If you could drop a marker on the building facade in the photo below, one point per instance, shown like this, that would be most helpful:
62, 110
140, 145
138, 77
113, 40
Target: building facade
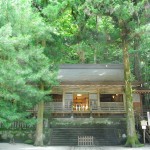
90, 102
91, 90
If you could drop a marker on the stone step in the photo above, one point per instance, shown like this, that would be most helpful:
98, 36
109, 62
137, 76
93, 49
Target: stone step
67, 137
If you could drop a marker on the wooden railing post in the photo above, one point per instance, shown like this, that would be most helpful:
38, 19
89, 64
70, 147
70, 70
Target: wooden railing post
71, 109
91, 110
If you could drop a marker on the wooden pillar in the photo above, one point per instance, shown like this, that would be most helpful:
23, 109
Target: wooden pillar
63, 100
98, 97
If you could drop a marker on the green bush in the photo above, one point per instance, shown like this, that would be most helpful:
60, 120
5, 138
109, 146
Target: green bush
29, 141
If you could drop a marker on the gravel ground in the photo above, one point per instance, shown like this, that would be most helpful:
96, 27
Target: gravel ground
18, 146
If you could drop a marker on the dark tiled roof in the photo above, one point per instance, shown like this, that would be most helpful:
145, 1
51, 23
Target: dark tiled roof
86, 73
91, 66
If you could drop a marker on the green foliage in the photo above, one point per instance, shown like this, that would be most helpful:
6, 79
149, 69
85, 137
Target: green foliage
87, 122
93, 28
23, 62
29, 141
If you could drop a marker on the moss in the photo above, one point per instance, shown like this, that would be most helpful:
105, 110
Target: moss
133, 142
76, 122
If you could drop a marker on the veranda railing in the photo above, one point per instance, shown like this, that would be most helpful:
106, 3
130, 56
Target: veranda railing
69, 107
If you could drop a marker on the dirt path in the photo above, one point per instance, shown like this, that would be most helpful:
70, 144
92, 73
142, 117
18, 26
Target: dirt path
6, 146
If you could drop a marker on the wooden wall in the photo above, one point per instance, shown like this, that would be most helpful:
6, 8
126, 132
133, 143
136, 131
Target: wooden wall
137, 102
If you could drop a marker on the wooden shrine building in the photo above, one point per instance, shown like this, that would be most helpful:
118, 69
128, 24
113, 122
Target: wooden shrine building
89, 105
91, 90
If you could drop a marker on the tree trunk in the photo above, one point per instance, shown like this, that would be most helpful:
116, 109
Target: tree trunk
39, 126
132, 139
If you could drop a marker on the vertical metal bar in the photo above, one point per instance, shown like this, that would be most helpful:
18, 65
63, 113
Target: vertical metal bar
148, 118
144, 136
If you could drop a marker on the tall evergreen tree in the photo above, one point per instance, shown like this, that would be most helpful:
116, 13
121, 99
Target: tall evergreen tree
26, 72
126, 16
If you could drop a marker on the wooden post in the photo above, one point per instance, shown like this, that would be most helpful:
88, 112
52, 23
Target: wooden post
90, 109
71, 109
